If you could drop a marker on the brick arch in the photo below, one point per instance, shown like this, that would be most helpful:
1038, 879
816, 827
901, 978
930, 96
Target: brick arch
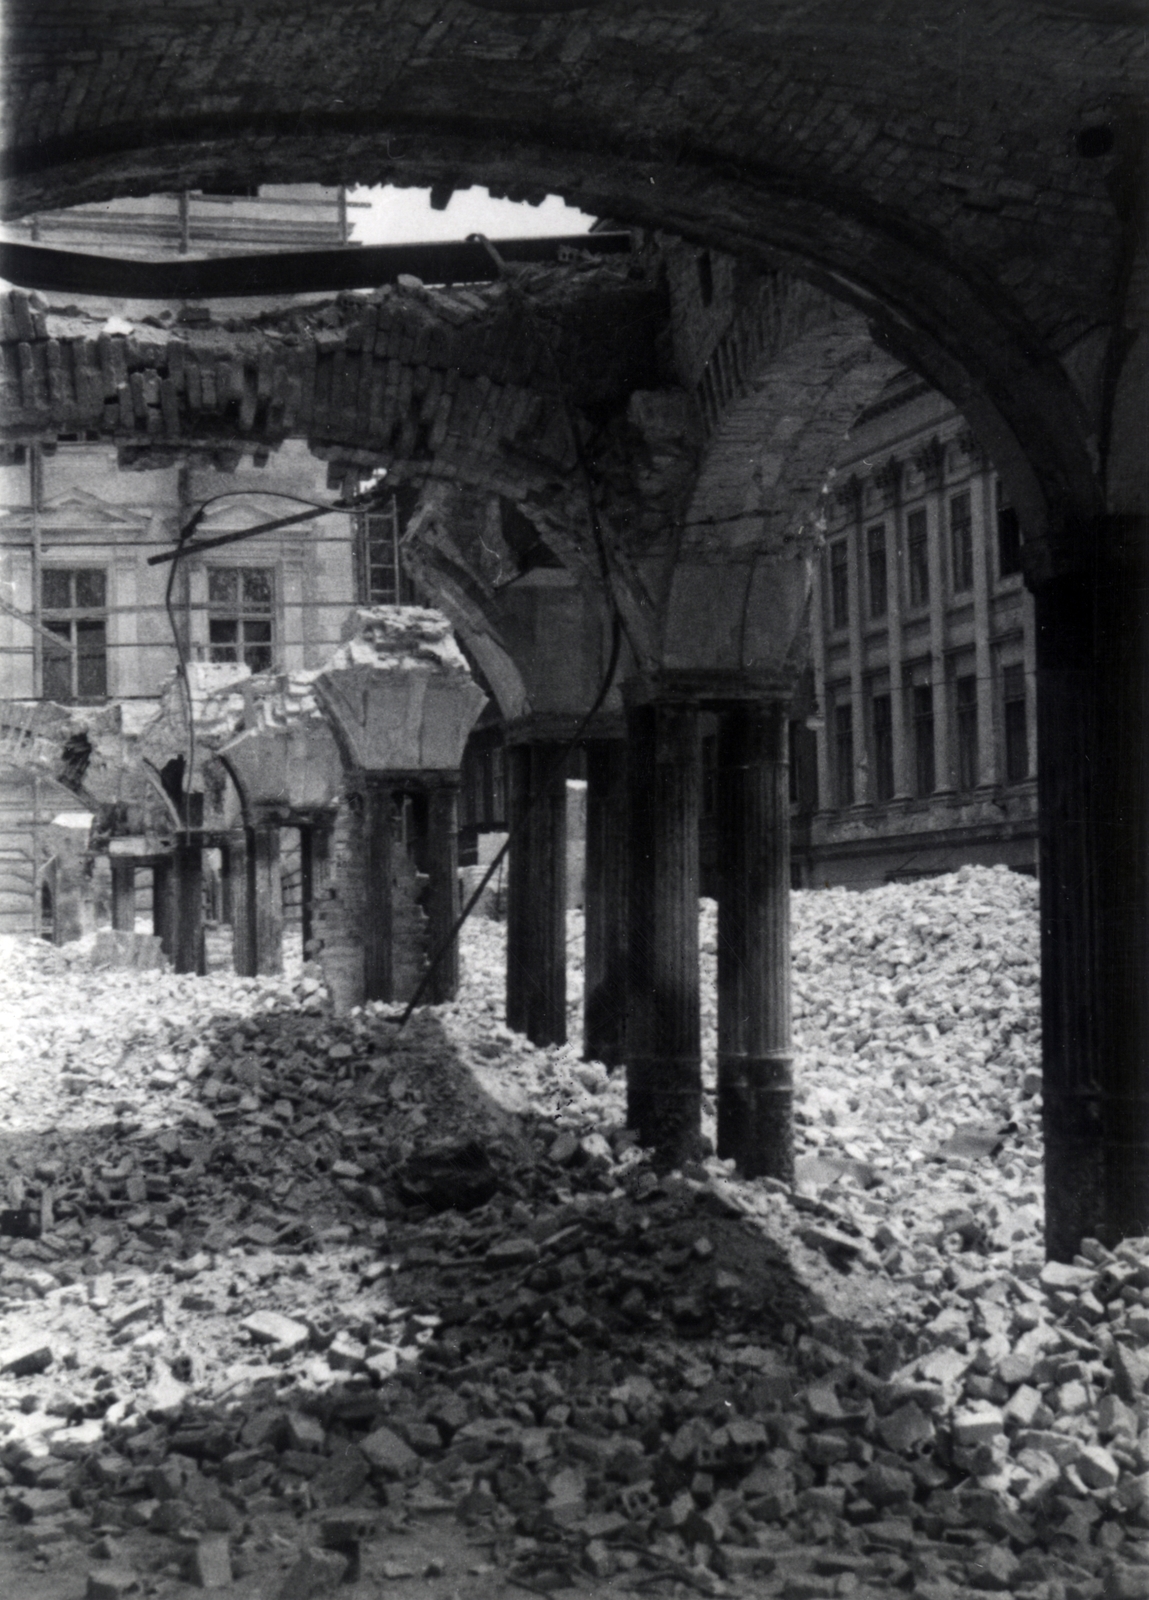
795, 369
960, 217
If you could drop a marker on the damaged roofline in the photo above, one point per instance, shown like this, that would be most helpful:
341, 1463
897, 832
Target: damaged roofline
295, 272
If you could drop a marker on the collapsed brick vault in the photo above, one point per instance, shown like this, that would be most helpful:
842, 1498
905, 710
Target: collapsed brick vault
972, 184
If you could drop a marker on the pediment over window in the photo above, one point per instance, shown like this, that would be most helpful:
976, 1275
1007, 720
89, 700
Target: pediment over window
248, 511
77, 509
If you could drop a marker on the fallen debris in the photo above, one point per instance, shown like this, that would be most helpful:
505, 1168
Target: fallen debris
310, 1276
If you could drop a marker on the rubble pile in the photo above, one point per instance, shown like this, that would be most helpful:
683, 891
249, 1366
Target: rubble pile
280, 1290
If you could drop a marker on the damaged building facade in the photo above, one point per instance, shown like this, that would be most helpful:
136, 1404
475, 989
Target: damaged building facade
667, 419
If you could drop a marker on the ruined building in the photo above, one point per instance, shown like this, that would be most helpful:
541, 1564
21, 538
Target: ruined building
813, 198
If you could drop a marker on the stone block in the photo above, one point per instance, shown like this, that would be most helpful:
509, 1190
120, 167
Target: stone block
111, 1583
209, 1563
25, 1359
272, 1328
387, 1454
977, 1425
316, 1573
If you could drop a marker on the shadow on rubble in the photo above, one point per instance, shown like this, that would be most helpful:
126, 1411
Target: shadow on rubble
343, 1275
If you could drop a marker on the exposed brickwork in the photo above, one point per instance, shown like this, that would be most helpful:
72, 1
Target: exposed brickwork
920, 161
508, 390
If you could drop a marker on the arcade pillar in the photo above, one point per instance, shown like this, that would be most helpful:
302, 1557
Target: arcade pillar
186, 897
663, 1044
443, 889
237, 872
604, 1018
162, 902
755, 1070
536, 892
378, 841
123, 894
266, 897
1092, 627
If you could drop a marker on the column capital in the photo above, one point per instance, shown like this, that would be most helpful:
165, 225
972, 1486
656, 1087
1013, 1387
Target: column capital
556, 727
1113, 544
424, 778
707, 688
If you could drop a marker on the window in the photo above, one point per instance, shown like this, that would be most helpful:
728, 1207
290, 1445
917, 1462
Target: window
382, 580
876, 568
839, 585
882, 728
73, 607
844, 753
1016, 738
961, 542
923, 707
917, 559
965, 712
1008, 536
240, 615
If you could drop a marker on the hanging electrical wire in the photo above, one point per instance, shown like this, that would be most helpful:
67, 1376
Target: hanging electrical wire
184, 548
618, 630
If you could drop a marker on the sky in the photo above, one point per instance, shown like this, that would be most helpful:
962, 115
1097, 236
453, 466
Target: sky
399, 216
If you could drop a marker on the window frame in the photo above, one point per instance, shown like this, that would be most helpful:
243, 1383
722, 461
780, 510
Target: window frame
73, 617
882, 740
917, 559
838, 563
1005, 517
961, 542
877, 557
923, 713
844, 777
1014, 723
243, 616
967, 734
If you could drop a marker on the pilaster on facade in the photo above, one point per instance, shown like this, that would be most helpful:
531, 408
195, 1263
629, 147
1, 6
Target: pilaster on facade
895, 654
935, 551
818, 604
855, 557
985, 566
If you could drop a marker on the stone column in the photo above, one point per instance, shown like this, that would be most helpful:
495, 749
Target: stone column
378, 839
187, 907
755, 1062
663, 1043
604, 1003
240, 900
162, 902
266, 898
536, 892
306, 888
443, 889
1092, 630
123, 894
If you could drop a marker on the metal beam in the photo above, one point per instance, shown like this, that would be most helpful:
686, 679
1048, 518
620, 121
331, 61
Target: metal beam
295, 272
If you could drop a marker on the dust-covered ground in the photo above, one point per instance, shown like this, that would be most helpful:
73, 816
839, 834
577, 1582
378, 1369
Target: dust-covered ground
295, 1305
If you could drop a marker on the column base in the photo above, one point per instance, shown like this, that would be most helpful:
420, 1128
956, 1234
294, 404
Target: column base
1096, 1170
755, 1115
664, 1107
